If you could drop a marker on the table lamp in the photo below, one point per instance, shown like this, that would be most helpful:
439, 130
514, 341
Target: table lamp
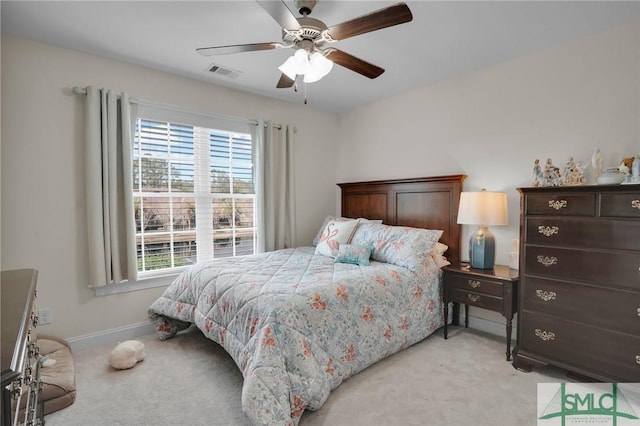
482, 208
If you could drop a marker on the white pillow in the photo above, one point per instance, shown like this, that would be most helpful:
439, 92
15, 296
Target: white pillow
441, 248
337, 231
328, 218
399, 245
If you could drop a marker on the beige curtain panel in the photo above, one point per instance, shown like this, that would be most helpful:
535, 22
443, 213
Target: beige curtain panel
275, 186
110, 219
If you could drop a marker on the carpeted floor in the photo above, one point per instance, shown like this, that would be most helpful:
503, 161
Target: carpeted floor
190, 380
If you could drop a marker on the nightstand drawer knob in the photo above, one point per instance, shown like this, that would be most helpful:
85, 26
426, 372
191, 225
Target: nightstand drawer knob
545, 335
474, 283
638, 312
558, 204
473, 297
637, 359
547, 260
635, 204
548, 231
548, 295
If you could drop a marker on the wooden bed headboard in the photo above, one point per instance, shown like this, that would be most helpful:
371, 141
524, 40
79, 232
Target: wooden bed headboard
429, 202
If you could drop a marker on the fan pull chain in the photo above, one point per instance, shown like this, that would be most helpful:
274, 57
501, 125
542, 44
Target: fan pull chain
305, 93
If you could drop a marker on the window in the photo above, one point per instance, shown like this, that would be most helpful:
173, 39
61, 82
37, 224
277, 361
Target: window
193, 192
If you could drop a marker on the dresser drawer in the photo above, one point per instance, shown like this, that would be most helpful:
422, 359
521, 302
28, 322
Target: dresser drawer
620, 234
561, 204
476, 285
607, 353
603, 268
475, 299
584, 304
625, 204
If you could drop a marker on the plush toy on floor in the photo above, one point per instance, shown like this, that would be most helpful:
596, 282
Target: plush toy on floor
127, 354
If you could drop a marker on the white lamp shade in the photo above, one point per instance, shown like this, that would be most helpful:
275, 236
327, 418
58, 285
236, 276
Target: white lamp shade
288, 68
312, 76
320, 63
301, 61
483, 208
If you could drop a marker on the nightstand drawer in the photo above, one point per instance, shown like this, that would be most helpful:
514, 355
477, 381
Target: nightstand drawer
578, 303
475, 299
615, 355
562, 204
475, 284
603, 268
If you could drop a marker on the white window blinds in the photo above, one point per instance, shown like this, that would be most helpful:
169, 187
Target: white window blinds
194, 196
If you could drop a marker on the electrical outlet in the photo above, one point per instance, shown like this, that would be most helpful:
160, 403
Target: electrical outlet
45, 316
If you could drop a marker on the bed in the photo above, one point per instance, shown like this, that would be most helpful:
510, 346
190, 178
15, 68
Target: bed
298, 323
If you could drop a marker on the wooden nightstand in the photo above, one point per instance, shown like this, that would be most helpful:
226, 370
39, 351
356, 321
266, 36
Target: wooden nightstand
494, 289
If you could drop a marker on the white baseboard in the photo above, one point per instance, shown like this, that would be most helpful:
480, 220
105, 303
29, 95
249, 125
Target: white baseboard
492, 327
113, 335
132, 331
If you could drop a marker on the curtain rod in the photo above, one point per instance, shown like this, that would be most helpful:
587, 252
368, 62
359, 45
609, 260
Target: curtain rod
80, 91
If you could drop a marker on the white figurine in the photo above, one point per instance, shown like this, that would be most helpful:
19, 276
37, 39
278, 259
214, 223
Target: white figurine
573, 173
551, 175
536, 174
596, 163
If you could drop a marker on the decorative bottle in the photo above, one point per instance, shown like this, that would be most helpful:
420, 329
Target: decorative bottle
635, 170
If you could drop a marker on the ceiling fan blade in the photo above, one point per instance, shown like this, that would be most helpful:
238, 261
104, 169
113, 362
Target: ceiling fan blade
398, 13
281, 13
284, 82
354, 64
238, 48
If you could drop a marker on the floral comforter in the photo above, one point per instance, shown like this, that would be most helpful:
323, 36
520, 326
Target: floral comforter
298, 324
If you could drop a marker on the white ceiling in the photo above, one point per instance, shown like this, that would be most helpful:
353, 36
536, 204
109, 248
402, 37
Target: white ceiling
445, 39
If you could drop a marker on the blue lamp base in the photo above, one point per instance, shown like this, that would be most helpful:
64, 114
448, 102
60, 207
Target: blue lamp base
482, 249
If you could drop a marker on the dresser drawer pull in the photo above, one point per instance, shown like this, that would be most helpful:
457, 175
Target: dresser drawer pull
474, 283
558, 204
547, 260
473, 297
547, 295
635, 204
637, 359
638, 312
545, 335
548, 231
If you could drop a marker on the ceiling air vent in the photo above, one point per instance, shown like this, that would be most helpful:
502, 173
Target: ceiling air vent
223, 71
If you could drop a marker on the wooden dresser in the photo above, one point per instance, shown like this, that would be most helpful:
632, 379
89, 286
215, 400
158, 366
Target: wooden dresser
20, 366
580, 281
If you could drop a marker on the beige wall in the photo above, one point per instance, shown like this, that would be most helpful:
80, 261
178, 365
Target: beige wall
490, 124
43, 217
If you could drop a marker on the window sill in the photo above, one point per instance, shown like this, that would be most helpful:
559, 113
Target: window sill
143, 284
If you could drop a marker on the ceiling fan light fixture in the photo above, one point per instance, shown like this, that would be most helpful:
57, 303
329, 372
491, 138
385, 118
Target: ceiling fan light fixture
301, 61
289, 68
320, 63
312, 76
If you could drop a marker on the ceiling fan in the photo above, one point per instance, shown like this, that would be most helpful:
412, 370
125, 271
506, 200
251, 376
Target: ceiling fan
310, 36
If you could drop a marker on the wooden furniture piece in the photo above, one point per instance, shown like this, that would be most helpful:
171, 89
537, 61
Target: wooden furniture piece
493, 289
429, 202
580, 281
20, 367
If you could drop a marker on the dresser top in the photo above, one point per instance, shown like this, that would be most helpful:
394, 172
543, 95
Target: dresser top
502, 272
17, 293
582, 188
